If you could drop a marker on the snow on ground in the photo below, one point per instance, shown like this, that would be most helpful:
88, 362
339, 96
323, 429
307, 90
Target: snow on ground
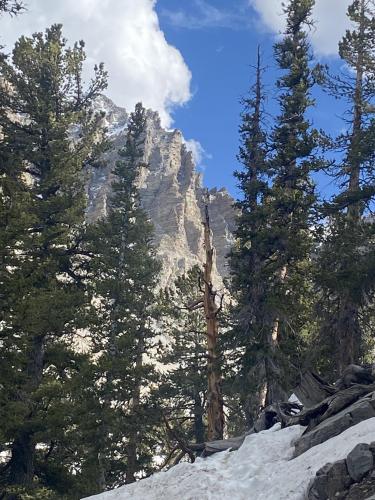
262, 469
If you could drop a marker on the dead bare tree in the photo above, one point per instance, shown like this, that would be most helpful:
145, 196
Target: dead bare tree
211, 301
215, 411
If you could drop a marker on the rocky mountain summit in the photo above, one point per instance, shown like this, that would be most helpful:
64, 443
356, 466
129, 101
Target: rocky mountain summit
172, 193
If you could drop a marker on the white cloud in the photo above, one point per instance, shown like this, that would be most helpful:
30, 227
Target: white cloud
329, 15
126, 36
198, 151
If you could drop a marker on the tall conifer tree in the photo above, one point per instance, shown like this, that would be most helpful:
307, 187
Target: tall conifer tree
184, 385
122, 330
270, 259
294, 144
250, 251
44, 199
347, 283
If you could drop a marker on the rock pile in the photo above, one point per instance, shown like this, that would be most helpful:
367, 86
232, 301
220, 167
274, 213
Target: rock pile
350, 479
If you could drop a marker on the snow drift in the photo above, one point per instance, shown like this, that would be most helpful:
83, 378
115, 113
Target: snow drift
262, 469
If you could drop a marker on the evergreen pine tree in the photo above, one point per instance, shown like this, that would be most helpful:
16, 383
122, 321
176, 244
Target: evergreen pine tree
271, 257
347, 283
294, 143
121, 418
42, 194
249, 252
183, 387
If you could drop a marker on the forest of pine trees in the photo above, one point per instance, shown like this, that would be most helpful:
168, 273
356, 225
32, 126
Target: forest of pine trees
105, 377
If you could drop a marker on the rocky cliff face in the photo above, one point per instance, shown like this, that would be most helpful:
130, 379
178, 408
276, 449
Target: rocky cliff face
172, 193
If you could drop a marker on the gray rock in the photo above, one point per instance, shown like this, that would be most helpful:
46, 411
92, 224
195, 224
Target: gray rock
372, 449
361, 491
318, 489
335, 425
338, 478
360, 461
331, 481
362, 410
326, 430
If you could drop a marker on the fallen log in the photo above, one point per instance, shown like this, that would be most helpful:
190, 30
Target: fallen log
210, 447
267, 419
331, 405
270, 415
355, 374
312, 389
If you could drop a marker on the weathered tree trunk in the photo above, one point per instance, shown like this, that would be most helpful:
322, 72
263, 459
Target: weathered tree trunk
198, 419
312, 389
132, 448
272, 390
313, 416
215, 411
21, 465
101, 479
254, 400
349, 334
22, 461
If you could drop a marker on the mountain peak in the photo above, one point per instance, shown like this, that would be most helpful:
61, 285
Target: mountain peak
171, 192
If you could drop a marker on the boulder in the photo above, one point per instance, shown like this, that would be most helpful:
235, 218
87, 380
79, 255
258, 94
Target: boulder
331, 481
324, 431
335, 425
360, 461
362, 410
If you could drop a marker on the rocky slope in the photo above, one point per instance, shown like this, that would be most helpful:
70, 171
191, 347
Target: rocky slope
172, 193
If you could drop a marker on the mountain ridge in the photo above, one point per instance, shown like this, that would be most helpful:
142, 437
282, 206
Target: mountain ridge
172, 193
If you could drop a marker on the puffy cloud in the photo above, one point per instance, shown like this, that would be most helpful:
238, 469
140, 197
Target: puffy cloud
329, 15
126, 36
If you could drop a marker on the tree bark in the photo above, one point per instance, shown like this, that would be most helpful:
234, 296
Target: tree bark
198, 419
215, 411
22, 461
272, 390
132, 448
21, 465
348, 333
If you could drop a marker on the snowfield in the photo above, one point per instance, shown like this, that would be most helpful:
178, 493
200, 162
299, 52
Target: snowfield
262, 469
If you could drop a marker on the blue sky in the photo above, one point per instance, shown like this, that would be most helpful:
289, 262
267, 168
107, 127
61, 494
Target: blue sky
190, 60
220, 55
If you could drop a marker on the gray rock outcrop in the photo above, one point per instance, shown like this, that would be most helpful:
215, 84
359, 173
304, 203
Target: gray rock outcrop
171, 192
350, 479
335, 425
